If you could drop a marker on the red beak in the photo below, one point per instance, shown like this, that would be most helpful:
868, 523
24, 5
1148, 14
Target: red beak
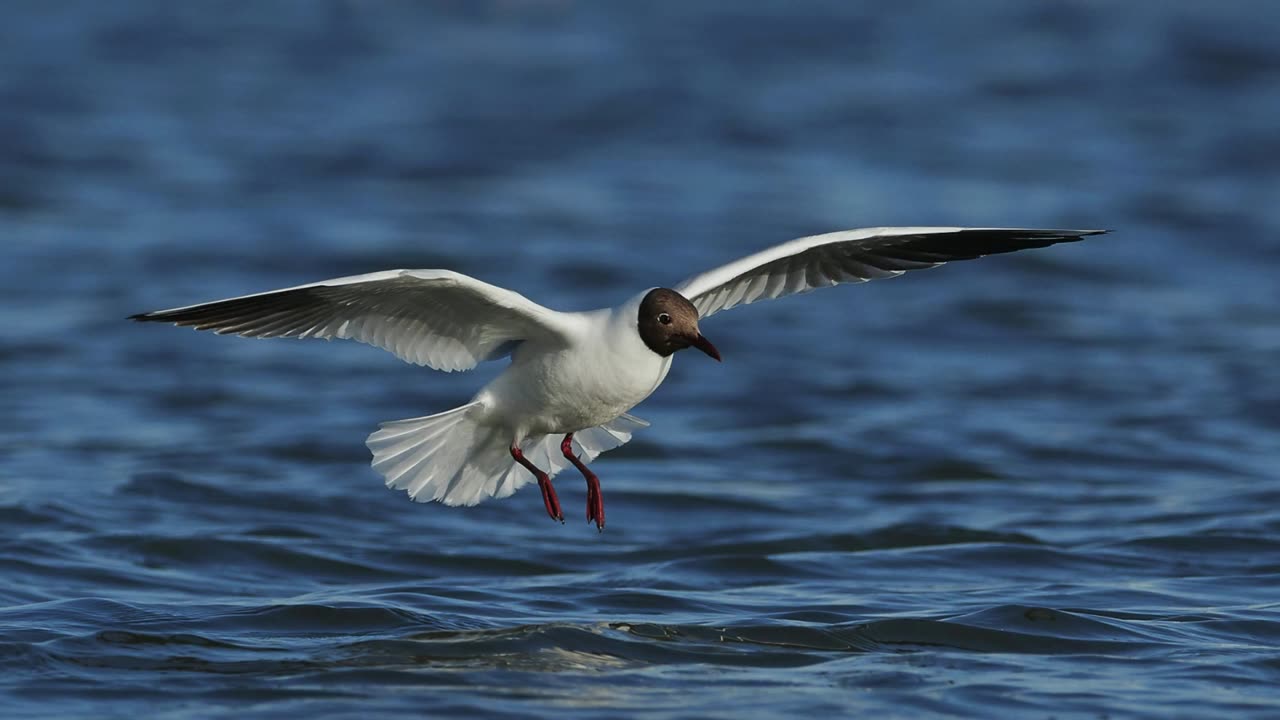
705, 346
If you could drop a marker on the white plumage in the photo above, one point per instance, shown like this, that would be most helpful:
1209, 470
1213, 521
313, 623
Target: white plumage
570, 373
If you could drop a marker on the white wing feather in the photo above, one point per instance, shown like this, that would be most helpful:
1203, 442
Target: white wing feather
809, 263
438, 318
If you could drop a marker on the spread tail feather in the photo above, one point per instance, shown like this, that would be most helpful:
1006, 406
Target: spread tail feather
452, 458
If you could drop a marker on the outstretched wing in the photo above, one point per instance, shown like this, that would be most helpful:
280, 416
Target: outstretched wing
850, 256
438, 318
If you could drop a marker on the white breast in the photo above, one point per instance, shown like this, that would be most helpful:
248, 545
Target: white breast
604, 373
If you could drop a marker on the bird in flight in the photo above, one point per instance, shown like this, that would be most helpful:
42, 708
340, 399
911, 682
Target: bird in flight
573, 375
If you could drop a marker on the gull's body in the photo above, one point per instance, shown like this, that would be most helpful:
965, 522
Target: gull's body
602, 370
573, 375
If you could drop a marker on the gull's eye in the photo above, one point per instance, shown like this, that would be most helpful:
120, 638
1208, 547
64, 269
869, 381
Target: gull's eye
664, 318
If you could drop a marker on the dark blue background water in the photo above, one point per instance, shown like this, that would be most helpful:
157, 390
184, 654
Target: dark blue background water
1039, 485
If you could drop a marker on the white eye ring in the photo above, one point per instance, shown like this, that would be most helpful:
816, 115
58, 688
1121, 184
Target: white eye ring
664, 318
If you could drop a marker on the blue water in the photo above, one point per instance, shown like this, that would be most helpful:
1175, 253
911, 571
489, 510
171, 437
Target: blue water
1041, 485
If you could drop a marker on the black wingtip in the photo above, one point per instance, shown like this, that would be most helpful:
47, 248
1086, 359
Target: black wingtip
142, 317
1074, 233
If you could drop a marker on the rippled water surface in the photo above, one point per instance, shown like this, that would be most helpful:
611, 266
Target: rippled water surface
1042, 485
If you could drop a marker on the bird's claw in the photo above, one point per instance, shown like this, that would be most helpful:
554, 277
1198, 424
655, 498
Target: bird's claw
549, 499
595, 502
595, 505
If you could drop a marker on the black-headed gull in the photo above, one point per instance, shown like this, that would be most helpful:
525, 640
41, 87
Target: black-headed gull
573, 375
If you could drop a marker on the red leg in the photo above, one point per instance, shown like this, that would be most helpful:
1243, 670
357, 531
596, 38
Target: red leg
544, 484
595, 501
